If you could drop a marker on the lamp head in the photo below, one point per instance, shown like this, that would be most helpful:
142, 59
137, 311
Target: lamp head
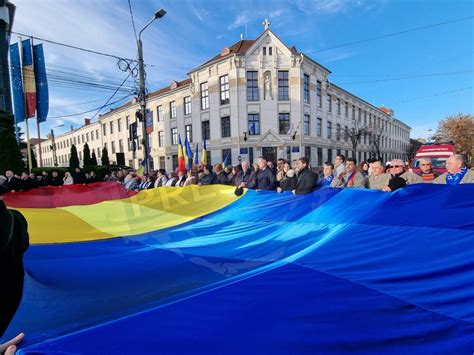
160, 14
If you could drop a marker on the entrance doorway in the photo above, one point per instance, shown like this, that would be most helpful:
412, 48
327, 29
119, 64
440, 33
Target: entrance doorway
270, 153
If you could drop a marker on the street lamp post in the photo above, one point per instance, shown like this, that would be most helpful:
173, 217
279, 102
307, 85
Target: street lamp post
141, 70
53, 145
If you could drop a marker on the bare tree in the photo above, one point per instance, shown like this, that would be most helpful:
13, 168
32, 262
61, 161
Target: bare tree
354, 135
377, 136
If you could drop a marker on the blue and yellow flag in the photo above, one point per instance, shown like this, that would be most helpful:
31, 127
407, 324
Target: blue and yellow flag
204, 154
189, 154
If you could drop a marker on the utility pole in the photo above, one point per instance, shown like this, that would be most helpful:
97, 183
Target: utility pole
142, 94
53, 148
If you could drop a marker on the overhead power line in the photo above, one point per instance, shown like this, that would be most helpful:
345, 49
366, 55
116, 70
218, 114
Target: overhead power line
73, 47
409, 77
133, 21
391, 34
434, 95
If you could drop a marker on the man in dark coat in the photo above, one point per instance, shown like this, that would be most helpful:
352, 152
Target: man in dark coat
208, 177
306, 182
56, 180
264, 179
243, 176
26, 182
79, 177
14, 241
45, 179
12, 183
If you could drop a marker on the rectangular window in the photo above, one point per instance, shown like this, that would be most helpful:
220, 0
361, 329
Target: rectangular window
306, 88
346, 109
206, 130
318, 93
87, 139
187, 105
307, 153
283, 87
346, 134
264, 50
319, 127
159, 113
338, 105
150, 143
127, 122
360, 114
162, 162
252, 86
104, 130
353, 112
82, 136
329, 102
225, 126
226, 152
284, 123
119, 125
306, 125
253, 124
320, 156
225, 91
174, 159
111, 127
174, 136
338, 132
173, 109
270, 51
92, 137
204, 96
330, 155
161, 138
189, 132
113, 147
121, 146
329, 130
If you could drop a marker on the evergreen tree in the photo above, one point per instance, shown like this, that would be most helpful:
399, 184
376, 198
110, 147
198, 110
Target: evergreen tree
34, 163
10, 155
74, 159
93, 159
105, 157
87, 156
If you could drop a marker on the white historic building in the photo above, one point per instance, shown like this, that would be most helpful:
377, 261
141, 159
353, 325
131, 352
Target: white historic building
256, 97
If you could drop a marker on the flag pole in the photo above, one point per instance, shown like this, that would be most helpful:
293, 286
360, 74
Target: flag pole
38, 125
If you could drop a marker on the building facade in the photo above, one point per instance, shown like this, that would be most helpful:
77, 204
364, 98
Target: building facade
255, 98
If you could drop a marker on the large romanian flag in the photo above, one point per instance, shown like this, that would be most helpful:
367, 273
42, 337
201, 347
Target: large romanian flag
200, 270
29, 83
181, 159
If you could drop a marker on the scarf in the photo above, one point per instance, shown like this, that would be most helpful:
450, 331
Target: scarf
454, 179
327, 180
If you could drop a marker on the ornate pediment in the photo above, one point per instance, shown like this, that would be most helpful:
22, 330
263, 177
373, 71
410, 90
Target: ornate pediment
271, 137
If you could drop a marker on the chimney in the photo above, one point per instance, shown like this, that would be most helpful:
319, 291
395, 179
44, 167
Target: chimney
72, 128
87, 121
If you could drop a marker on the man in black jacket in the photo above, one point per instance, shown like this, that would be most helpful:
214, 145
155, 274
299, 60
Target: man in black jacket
79, 177
14, 241
56, 179
264, 179
306, 178
12, 183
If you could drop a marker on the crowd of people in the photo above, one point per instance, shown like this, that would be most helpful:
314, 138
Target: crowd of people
264, 175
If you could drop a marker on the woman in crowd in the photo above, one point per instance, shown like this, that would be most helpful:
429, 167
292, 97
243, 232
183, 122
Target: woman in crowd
364, 169
288, 179
68, 180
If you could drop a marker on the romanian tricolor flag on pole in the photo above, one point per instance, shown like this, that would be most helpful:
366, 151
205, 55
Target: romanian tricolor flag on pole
204, 154
181, 165
29, 83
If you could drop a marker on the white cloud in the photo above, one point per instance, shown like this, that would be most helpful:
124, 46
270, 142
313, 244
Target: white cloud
240, 20
276, 13
326, 6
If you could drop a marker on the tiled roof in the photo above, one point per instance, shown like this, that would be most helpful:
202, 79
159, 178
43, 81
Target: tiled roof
240, 47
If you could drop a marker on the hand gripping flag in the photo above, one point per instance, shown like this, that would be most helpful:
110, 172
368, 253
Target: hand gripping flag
42, 94
29, 79
181, 163
17, 84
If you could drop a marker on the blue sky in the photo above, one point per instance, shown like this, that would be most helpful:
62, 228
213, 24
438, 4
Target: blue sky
378, 71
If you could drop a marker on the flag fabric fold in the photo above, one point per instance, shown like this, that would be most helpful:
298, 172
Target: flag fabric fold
189, 154
181, 162
29, 79
204, 154
17, 84
196, 156
42, 93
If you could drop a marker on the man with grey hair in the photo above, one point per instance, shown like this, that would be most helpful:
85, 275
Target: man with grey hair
242, 178
408, 176
378, 179
458, 173
426, 170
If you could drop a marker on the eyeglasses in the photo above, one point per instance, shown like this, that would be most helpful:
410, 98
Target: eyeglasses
397, 166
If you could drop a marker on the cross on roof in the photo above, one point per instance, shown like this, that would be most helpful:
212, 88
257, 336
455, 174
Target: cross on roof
266, 24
